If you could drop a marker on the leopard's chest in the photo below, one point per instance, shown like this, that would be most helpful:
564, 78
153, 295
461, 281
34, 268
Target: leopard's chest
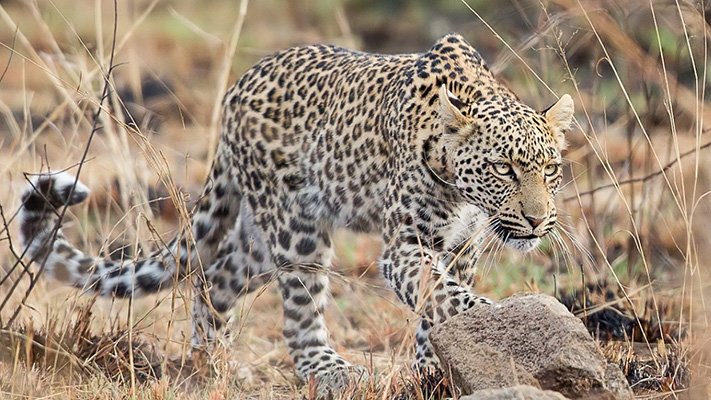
467, 227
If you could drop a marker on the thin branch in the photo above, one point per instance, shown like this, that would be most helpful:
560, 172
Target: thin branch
12, 248
94, 128
9, 60
641, 178
224, 77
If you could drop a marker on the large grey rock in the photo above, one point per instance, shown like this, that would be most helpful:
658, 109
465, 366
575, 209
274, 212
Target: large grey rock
520, 392
539, 335
480, 366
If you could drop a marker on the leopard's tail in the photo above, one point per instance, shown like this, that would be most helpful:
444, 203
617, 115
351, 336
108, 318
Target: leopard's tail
46, 245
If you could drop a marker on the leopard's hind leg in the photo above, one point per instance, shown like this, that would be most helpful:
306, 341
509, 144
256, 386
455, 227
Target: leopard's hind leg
242, 264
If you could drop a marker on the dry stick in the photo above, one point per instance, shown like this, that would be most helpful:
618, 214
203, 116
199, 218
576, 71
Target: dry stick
7, 222
9, 59
55, 230
641, 178
19, 261
224, 76
12, 250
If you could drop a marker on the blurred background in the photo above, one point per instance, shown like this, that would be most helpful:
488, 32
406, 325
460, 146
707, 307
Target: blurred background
634, 238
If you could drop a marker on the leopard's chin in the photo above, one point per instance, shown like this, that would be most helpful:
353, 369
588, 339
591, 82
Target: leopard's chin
523, 245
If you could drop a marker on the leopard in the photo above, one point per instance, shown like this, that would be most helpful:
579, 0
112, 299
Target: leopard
429, 150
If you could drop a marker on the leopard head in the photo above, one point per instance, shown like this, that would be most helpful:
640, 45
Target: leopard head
507, 161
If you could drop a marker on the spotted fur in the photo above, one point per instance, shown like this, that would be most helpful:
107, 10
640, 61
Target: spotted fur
429, 150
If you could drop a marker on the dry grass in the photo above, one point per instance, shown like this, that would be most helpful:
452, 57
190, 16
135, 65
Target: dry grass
635, 206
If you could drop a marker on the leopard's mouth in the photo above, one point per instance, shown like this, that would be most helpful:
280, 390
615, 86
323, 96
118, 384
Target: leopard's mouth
531, 236
520, 242
508, 235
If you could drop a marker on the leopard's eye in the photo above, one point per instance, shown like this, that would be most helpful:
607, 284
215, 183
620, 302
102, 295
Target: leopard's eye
551, 170
503, 169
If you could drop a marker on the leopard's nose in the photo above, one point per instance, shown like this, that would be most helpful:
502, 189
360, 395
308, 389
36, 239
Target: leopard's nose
534, 220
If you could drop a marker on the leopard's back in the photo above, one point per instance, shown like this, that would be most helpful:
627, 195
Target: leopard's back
312, 122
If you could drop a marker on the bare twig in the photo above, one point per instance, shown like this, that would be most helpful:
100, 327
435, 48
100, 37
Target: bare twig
12, 248
9, 60
224, 76
94, 128
641, 178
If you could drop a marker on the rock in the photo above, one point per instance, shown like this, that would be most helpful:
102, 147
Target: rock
476, 366
540, 336
520, 392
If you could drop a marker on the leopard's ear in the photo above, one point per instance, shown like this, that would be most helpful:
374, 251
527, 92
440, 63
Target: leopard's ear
560, 117
451, 111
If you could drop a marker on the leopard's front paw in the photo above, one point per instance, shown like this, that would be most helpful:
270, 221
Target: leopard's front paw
472, 300
329, 383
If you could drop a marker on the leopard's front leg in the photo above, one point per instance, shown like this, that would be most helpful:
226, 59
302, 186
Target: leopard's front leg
420, 279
